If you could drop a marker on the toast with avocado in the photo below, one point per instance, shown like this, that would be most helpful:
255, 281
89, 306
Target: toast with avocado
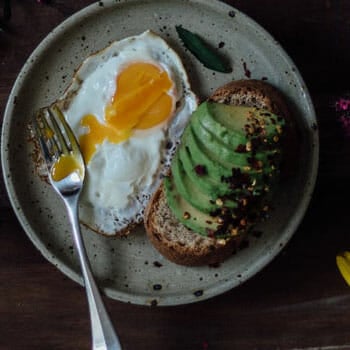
222, 174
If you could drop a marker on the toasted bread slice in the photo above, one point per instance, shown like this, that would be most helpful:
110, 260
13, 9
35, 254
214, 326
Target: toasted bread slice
174, 240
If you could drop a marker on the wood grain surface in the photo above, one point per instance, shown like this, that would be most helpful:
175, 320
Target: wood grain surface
299, 301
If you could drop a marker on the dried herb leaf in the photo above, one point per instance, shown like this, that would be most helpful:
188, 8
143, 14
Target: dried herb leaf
205, 54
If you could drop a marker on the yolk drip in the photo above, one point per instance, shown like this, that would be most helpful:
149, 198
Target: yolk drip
64, 166
141, 101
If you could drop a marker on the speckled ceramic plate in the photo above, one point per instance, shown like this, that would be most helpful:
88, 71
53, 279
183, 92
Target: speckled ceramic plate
130, 269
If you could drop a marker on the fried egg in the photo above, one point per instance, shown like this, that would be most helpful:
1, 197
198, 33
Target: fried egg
127, 105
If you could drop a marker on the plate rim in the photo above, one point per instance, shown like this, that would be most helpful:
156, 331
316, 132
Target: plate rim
168, 300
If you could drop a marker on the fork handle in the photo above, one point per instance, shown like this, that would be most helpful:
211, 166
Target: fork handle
104, 336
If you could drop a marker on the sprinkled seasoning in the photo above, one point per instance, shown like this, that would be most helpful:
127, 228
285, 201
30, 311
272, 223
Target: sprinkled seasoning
219, 202
243, 222
221, 241
241, 149
200, 170
248, 146
241, 205
210, 233
220, 220
186, 215
234, 232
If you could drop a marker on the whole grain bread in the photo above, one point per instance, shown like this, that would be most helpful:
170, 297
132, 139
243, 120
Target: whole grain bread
169, 236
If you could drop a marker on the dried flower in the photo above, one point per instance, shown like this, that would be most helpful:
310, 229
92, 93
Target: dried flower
342, 108
343, 104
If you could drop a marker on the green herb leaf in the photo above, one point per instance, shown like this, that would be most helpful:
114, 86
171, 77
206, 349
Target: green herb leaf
205, 54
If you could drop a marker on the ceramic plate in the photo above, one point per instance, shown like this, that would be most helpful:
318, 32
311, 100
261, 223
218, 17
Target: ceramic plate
130, 269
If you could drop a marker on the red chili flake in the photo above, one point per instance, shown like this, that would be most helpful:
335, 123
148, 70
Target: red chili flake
210, 233
241, 149
200, 170
205, 345
247, 72
255, 163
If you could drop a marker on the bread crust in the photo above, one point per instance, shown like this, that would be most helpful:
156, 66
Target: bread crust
161, 226
196, 250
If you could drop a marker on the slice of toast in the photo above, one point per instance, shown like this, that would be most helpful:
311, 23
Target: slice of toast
174, 240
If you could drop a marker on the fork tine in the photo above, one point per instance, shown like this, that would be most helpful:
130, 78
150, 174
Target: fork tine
49, 134
55, 110
41, 137
52, 111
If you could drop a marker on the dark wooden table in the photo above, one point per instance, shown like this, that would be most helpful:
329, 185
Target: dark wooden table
298, 302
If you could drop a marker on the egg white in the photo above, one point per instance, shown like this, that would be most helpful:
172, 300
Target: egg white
120, 178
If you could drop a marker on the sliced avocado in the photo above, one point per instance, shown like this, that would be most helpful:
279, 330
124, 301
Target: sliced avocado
209, 185
214, 169
209, 138
224, 156
236, 118
186, 213
207, 119
213, 186
238, 160
209, 154
208, 126
194, 194
225, 162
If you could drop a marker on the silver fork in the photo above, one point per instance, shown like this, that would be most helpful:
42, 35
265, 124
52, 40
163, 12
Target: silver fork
57, 140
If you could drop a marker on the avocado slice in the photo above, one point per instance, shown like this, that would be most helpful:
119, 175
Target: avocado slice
212, 142
207, 156
207, 184
204, 117
214, 137
223, 167
238, 118
194, 194
237, 160
217, 152
213, 168
191, 217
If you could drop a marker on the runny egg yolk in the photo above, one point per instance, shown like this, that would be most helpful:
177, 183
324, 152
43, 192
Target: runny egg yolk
65, 166
141, 101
